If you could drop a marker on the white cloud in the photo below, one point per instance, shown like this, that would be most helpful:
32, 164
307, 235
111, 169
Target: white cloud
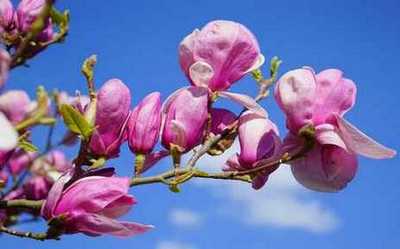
282, 202
174, 245
185, 218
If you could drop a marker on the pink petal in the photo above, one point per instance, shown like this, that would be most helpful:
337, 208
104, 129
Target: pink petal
325, 168
92, 194
246, 101
94, 224
295, 95
335, 95
201, 73
54, 195
360, 143
8, 135
327, 134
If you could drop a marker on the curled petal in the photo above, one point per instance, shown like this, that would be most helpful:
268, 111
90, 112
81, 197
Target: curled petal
360, 143
246, 101
54, 195
258, 63
327, 134
201, 73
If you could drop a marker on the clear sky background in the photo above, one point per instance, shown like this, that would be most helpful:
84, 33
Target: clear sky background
137, 41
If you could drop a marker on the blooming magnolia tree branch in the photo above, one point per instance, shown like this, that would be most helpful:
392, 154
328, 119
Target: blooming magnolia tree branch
83, 195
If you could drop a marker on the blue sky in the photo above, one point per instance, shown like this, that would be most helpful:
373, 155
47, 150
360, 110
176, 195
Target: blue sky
136, 41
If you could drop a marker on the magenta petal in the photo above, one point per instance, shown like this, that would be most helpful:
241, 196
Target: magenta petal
360, 143
325, 168
92, 194
94, 224
246, 101
259, 181
232, 164
201, 73
327, 134
55, 194
119, 207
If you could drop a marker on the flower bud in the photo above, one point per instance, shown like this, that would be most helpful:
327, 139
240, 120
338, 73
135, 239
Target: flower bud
144, 124
112, 110
185, 118
15, 104
91, 205
219, 54
259, 143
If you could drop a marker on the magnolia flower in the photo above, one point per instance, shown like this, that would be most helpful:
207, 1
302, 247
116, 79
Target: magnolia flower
259, 144
16, 105
220, 54
185, 116
144, 124
321, 100
112, 111
91, 205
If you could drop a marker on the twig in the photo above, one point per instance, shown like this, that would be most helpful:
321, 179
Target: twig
30, 235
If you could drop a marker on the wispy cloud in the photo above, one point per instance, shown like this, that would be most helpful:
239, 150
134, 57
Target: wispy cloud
174, 245
185, 218
281, 203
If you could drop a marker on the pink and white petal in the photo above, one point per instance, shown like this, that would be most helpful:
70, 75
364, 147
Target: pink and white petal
8, 134
94, 224
201, 73
54, 195
327, 134
180, 134
246, 101
295, 95
335, 95
119, 207
360, 143
154, 158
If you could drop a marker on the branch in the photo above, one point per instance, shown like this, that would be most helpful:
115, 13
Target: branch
30, 235
21, 203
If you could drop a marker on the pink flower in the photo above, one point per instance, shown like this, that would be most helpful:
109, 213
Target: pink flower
221, 119
57, 159
5, 61
185, 118
144, 124
37, 188
321, 100
27, 12
91, 205
219, 54
259, 144
20, 160
15, 104
112, 111
8, 134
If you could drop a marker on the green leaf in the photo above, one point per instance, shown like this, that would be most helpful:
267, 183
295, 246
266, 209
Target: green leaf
88, 67
75, 121
275, 63
97, 163
27, 146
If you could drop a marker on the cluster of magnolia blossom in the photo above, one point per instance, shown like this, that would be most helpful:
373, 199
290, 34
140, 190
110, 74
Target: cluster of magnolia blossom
79, 196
